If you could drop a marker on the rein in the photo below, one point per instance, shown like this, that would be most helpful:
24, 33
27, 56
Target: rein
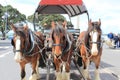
99, 43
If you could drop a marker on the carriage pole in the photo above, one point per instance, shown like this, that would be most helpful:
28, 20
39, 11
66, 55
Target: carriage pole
49, 60
77, 66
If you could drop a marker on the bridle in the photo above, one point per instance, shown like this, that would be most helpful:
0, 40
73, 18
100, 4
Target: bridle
62, 45
65, 45
99, 43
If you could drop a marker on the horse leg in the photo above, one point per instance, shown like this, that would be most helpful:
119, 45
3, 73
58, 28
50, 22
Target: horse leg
35, 72
65, 71
97, 76
66, 76
22, 71
85, 70
58, 73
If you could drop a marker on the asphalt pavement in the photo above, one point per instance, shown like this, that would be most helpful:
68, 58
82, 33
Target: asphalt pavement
110, 60
10, 70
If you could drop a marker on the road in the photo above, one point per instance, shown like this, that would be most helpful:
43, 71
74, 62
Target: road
10, 70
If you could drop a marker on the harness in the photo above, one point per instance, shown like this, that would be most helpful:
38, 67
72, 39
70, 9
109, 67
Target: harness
33, 43
88, 50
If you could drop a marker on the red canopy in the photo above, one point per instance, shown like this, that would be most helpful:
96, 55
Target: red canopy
60, 2
70, 7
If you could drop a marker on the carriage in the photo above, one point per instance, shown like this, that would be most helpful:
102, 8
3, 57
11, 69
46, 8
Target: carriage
59, 45
71, 8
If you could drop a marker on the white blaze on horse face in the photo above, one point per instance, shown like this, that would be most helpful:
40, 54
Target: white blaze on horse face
18, 54
94, 50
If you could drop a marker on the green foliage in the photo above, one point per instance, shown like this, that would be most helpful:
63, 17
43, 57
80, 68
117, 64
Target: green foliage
13, 14
46, 19
1, 14
30, 18
9, 14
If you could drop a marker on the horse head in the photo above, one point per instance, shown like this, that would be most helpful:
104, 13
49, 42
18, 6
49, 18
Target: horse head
21, 41
61, 41
93, 37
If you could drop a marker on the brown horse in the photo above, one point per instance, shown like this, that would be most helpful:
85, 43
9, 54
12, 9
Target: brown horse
61, 50
27, 48
90, 48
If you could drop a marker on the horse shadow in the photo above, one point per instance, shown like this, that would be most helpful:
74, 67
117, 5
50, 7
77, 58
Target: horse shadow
75, 75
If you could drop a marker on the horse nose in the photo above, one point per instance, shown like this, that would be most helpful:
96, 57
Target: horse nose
94, 50
58, 53
18, 57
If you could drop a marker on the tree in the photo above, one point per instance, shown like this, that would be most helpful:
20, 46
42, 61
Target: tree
46, 19
14, 14
9, 14
1, 14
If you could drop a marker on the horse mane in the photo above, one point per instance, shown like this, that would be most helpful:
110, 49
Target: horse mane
57, 30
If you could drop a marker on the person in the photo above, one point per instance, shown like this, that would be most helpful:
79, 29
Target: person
116, 38
110, 35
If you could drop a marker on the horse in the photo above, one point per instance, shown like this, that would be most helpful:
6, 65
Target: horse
62, 49
89, 46
27, 46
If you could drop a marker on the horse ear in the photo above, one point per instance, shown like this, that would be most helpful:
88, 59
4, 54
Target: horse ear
89, 23
13, 27
99, 22
52, 24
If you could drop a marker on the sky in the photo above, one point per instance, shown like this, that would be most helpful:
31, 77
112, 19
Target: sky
106, 10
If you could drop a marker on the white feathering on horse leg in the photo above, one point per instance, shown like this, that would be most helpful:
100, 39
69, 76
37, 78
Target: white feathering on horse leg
63, 68
66, 76
97, 76
33, 77
58, 76
37, 70
85, 72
